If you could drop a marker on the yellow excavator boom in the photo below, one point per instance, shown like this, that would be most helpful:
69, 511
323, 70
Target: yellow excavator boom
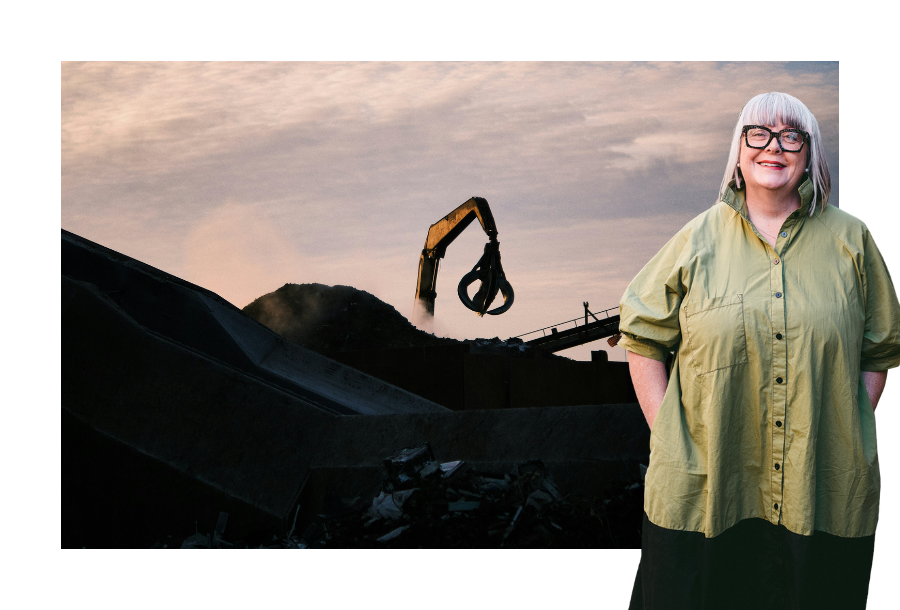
488, 269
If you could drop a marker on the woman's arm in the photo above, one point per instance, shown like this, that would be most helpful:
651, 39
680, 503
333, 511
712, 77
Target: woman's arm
650, 381
874, 385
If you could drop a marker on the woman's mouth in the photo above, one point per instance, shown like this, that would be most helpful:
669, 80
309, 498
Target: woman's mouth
768, 164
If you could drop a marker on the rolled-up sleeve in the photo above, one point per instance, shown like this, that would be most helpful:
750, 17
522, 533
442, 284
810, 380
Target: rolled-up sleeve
881, 339
649, 308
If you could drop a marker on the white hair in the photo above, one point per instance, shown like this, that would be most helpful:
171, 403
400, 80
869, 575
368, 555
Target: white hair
773, 108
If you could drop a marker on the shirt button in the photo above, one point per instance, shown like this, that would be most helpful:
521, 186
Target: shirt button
779, 336
784, 233
776, 507
778, 423
777, 466
777, 261
777, 295
779, 380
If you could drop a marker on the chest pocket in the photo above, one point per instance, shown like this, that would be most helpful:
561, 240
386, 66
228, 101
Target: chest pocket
715, 333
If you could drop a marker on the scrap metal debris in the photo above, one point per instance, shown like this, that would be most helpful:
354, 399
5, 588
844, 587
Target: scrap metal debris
428, 504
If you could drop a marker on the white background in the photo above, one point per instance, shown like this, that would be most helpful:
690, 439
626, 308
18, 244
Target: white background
39, 37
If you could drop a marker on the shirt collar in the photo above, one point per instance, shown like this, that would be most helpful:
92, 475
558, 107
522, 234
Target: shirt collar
736, 197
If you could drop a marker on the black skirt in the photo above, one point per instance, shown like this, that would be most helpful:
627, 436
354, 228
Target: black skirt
753, 565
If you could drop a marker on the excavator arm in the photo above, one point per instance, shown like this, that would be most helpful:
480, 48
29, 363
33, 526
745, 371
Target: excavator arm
488, 269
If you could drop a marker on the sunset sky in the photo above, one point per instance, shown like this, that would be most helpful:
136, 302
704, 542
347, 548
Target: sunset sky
241, 177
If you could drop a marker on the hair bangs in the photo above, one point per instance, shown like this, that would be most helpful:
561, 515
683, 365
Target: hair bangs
769, 109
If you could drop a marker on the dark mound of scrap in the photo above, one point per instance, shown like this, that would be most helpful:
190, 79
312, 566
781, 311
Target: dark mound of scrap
336, 319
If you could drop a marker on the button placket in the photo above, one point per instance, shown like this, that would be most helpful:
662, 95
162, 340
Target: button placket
778, 376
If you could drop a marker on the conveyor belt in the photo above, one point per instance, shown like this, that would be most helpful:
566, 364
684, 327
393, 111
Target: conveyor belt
559, 340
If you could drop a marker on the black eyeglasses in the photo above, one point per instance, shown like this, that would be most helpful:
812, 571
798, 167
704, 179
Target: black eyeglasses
790, 140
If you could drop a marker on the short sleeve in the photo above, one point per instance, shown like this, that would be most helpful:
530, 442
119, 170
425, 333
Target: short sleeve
648, 311
881, 338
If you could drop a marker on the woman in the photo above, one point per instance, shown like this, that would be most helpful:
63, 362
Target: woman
762, 488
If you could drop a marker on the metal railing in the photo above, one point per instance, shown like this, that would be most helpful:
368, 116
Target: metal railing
554, 327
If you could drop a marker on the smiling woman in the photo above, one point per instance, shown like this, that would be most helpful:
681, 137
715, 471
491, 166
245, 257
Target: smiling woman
763, 484
761, 160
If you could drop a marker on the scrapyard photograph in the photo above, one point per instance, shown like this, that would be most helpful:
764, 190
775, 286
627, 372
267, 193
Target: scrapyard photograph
259, 351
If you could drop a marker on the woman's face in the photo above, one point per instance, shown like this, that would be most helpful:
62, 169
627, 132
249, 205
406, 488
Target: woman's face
772, 168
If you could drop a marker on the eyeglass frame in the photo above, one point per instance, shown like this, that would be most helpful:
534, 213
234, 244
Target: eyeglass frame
773, 134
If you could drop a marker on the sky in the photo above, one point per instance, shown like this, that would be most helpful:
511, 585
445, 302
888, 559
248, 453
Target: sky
244, 176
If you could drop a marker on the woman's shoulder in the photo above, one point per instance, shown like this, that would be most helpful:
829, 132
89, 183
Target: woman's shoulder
846, 227
703, 228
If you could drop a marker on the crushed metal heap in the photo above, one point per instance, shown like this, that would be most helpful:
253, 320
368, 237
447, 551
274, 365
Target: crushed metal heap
426, 504
178, 408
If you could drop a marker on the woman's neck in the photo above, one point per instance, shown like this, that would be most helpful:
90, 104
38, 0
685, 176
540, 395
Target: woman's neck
768, 210
768, 205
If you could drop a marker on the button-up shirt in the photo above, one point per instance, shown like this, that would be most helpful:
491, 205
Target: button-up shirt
766, 414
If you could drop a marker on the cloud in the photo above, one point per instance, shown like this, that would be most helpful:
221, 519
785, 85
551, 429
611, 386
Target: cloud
158, 116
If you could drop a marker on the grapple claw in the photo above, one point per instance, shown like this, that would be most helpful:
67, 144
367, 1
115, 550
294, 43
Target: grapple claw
489, 270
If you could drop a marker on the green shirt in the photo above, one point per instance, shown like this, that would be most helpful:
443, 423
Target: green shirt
765, 414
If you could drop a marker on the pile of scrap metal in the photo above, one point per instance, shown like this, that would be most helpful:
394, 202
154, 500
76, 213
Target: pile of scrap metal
328, 319
427, 504
177, 408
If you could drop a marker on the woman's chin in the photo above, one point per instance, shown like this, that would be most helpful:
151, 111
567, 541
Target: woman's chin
773, 185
